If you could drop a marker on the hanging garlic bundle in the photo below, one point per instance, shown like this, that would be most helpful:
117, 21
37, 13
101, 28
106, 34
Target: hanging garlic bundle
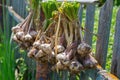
24, 33
59, 40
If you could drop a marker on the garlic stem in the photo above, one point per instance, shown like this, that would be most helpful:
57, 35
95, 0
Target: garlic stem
71, 33
31, 23
56, 36
80, 33
65, 31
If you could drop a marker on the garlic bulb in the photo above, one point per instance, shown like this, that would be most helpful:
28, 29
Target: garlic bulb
16, 29
28, 37
39, 54
33, 33
60, 48
36, 44
52, 58
32, 52
75, 66
46, 48
15, 39
61, 56
59, 66
20, 35
83, 49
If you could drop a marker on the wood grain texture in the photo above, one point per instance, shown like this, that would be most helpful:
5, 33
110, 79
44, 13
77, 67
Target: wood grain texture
103, 32
81, 1
16, 17
80, 13
89, 24
115, 69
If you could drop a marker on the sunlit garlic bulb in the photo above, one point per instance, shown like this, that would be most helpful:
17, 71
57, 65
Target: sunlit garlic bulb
46, 48
28, 37
39, 54
15, 39
62, 57
20, 35
59, 48
16, 29
36, 44
83, 49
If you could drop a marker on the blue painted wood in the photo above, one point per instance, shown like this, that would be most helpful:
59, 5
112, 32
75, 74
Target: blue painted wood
65, 75
72, 77
103, 32
80, 12
16, 16
89, 24
115, 69
84, 75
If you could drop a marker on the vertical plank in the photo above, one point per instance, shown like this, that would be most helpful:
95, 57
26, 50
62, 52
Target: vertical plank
1, 17
80, 12
89, 23
84, 75
15, 5
115, 68
72, 77
64, 75
26, 12
103, 32
20, 7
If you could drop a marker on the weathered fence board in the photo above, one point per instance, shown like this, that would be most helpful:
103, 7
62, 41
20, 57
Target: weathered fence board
115, 69
20, 7
80, 13
16, 17
103, 32
89, 24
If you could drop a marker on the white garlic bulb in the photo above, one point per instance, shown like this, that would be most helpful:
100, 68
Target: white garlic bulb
60, 48
28, 37
46, 48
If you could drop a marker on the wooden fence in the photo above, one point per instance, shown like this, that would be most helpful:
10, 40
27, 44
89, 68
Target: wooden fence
104, 26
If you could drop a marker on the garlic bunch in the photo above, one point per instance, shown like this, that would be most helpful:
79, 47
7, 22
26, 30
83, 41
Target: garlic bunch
60, 45
23, 34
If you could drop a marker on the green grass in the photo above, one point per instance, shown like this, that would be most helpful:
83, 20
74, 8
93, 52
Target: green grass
7, 66
6, 62
111, 39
